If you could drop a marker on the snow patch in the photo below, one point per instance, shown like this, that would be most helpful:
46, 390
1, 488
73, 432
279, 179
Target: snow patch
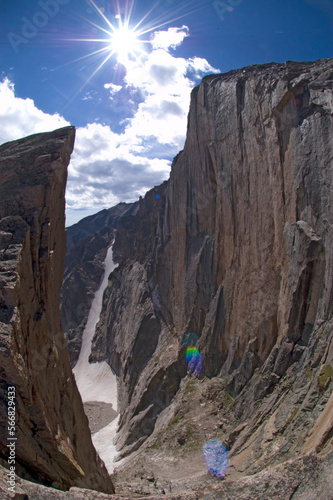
95, 381
103, 442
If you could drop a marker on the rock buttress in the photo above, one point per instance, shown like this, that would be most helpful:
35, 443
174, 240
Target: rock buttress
238, 250
53, 444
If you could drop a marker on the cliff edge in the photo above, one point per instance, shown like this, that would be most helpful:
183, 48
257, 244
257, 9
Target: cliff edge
53, 443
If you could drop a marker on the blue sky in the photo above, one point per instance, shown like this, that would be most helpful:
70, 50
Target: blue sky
131, 111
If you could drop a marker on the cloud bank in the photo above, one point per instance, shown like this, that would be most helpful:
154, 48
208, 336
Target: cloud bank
20, 117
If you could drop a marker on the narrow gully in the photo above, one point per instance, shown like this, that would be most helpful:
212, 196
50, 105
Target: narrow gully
95, 381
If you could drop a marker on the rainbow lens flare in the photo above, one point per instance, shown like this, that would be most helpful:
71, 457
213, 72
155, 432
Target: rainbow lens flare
216, 457
194, 361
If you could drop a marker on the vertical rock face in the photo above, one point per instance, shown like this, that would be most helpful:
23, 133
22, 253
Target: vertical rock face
237, 249
87, 244
53, 439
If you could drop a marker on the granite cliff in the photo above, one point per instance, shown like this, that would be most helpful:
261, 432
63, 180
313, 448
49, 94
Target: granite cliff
237, 249
53, 444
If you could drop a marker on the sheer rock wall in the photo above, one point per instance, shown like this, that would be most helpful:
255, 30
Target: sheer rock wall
237, 249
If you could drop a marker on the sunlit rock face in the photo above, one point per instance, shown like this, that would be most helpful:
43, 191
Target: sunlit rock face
53, 444
237, 248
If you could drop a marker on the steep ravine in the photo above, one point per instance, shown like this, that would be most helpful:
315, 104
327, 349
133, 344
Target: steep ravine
96, 382
237, 249
87, 244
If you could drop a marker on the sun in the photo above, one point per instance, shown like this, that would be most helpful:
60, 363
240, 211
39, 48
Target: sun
121, 39
124, 43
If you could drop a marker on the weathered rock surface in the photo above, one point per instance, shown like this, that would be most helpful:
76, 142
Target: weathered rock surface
306, 478
239, 250
87, 244
53, 444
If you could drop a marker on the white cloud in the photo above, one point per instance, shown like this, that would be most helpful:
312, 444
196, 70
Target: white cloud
108, 167
20, 117
167, 82
170, 38
113, 88
103, 171
200, 66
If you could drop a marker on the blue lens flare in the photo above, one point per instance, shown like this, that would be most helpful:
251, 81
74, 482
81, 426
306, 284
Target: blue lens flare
216, 457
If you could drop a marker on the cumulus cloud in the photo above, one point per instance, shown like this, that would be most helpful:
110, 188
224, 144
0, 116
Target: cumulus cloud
107, 166
199, 66
113, 88
167, 82
103, 164
20, 117
170, 38
164, 75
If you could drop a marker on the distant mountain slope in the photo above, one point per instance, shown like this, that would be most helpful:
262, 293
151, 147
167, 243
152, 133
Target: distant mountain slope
87, 244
